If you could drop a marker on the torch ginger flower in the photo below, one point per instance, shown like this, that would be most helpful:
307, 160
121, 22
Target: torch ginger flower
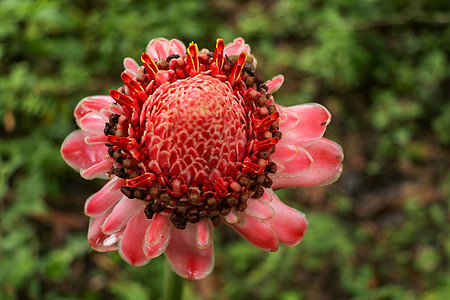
192, 139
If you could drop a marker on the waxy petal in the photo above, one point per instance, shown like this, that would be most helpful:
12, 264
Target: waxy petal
204, 234
303, 124
160, 48
93, 123
274, 84
100, 241
258, 209
158, 235
327, 167
291, 160
121, 213
236, 47
132, 242
130, 64
257, 232
80, 155
99, 170
186, 258
104, 199
288, 223
91, 105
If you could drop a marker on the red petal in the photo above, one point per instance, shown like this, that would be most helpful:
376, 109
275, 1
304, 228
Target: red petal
122, 212
303, 124
288, 223
80, 155
158, 236
291, 161
103, 199
257, 232
186, 258
132, 242
100, 241
274, 84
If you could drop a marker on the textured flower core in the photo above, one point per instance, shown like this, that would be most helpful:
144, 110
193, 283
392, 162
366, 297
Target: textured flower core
194, 135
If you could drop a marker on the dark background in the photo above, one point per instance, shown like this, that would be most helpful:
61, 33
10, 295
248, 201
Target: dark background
380, 67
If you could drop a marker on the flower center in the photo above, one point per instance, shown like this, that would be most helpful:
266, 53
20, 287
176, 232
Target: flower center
194, 135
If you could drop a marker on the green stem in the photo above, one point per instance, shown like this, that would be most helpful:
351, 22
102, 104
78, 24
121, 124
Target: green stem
173, 284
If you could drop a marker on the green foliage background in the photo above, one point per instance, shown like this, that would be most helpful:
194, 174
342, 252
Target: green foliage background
382, 69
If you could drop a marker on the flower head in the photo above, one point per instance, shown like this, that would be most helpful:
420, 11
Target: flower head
192, 139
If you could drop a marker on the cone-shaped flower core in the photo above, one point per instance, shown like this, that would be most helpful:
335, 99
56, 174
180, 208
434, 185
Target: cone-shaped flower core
195, 136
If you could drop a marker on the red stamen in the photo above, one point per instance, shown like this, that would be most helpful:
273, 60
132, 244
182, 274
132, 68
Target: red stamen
127, 103
249, 167
149, 65
266, 144
192, 56
218, 53
263, 124
133, 85
220, 188
235, 73
122, 142
145, 179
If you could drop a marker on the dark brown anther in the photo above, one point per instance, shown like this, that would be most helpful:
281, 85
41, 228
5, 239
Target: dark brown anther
193, 215
114, 119
157, 208
203, 213
248, 66
261, 101
120, 172
148, 211
135, 173
172, 56
273, 149
165, 199
260, 179
108, 130
264, 154
163, 65
117, 156
271, 109
155, 191
120, 133
251, 94
225, 210
263, 111
271, 167
182, 207
249, 81
129, 163
277, 134
242, 206
194, 196
211, 201
268, 182
267, 134
127, 191
245, 181
215, 221
259, 192
232, 201
243, 198
214, 212
140, 194
110, 151
140, 75
275, 125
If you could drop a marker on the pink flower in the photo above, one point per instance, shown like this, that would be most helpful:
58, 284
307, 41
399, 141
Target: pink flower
192, 139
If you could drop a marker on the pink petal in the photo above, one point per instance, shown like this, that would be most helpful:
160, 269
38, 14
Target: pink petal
92, 123
291, 161
328, 157
186, 258
100, 241
257, 232
275, 83
158, 235
327, 167
236, 47
288, 223
156, 48
91, 104
176, 47
122, 212
130, 64
204, 234
80, 155
103, 200
303, 124
258, 209
99, 170
132, 242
